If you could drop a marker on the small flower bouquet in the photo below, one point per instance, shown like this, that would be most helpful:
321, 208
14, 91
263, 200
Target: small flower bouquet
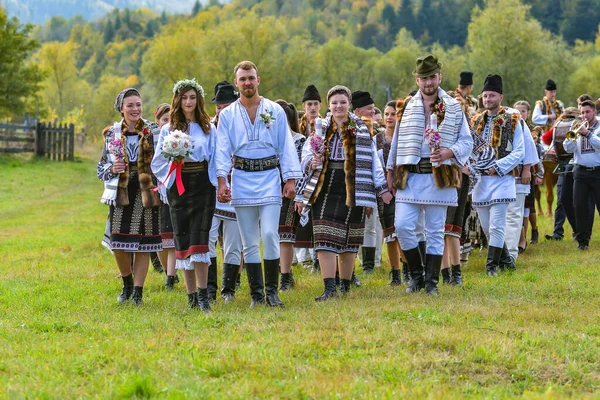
117, 149
176, 146
267, 118
434, 141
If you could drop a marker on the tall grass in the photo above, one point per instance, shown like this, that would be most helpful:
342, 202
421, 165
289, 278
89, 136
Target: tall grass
534, 333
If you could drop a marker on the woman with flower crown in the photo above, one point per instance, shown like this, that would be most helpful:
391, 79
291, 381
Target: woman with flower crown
128, 182
344, 178
192, 198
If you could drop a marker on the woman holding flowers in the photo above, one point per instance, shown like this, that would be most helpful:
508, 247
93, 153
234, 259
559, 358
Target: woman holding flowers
128, 182
344, 178
185, 166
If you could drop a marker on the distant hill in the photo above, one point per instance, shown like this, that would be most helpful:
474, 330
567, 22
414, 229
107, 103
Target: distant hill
39, 11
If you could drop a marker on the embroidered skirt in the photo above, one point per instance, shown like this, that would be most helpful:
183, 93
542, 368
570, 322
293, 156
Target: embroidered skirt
288, 221
134, 228
336, 227
530, 198
455, 216
166, 227
304, 235
387, 214
191, 214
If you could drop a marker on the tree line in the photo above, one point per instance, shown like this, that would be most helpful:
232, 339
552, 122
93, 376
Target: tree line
83, 65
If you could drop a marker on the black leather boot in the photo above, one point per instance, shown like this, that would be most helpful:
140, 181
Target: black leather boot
457, 278
170, 282
423, 250
405, 273
355, 281
286, 281
493, 260
193, 300
316, 266
156, 263
506, 261
136, 295
368, 259
330, 290
203, 300
446, 278
127, 289
272, 283
345, 286
256, 283
535, 236
417, 281
432, 273
230, 274
396, 280
212, 284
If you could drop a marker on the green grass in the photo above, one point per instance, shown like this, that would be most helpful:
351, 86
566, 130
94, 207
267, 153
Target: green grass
532, 334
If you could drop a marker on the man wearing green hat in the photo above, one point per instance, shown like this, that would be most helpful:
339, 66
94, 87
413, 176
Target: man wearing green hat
430, 143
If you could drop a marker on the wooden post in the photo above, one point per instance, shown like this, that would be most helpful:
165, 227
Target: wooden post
71, 142
53, 144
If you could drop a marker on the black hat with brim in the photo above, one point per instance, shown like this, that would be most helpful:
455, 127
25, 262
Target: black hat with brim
225, 95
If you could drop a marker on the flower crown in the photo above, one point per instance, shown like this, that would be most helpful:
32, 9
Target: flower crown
188, 83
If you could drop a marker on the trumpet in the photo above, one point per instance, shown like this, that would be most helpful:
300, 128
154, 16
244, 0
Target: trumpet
576, 126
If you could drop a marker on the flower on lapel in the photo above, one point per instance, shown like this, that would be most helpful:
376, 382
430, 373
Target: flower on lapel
352, 127
267, 118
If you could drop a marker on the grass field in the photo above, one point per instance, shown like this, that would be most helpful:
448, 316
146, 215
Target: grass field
531, 334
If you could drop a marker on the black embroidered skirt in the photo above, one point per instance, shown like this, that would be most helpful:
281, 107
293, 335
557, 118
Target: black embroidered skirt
336, 227
304, 235
530, 198
192, 213
288, 221
166, 227
134, 228
455, 216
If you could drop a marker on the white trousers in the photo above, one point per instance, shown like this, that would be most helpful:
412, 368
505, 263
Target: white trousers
258, 222
232, 240
493, 222
514, 224
407, 220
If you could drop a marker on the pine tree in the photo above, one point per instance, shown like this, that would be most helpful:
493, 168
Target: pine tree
197, 8
109, 32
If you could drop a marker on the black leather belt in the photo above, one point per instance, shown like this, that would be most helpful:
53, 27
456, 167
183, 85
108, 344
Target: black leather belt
583, 167
255, 164
423, 167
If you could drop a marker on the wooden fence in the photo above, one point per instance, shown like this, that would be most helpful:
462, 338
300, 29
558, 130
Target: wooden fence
51, 140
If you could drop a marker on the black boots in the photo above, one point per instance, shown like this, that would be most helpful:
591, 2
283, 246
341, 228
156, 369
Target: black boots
193, 300
506, 261
345, 286
156, 263
212, 285
432, 273
535, 235
230, 274
457, 279
354, 280
413, 258
405, 273
170, 282
272, 283
256, 283
136, 295
287, 281
127, 289
203, 300
446, 278
493, 260
395, 274
330, 290
368, 259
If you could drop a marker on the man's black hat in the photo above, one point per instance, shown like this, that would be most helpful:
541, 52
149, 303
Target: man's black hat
311, 93
361, 99
550, 85
466, 78
225, 93
493, 83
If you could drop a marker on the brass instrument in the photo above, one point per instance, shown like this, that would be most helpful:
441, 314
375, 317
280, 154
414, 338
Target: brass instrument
576, 126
